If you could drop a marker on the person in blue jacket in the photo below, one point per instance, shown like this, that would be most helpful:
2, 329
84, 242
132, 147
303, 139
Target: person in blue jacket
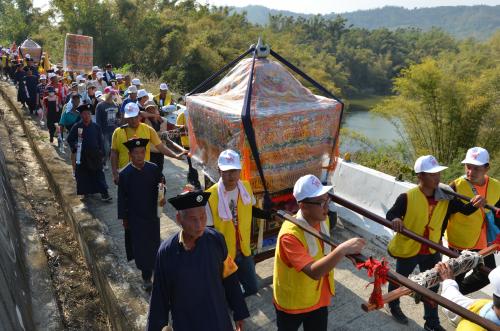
195, 279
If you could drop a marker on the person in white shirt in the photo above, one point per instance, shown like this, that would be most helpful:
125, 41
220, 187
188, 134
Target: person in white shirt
486, 308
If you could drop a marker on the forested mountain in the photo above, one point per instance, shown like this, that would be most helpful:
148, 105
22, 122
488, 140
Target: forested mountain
460, 21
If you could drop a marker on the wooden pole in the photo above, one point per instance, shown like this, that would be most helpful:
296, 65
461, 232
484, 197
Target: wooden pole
412, 235
448, 190
397, 278
402, 291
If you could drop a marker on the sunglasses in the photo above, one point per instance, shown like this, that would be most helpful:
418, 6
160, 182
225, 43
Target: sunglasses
322, 203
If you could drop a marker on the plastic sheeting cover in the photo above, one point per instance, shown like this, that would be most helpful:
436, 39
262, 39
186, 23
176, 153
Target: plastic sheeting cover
295, 130
32, 48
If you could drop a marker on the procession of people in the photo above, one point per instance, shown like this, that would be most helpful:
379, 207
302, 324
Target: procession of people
203, 274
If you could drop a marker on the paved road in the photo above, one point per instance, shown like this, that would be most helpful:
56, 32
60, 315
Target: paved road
351, 291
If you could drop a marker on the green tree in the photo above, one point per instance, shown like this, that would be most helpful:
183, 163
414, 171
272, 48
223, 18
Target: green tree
443, 115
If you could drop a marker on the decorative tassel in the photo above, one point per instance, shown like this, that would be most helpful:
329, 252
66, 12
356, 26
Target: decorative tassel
378, 270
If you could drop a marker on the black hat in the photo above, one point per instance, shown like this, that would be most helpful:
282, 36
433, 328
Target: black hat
84, 107
51, 89
136, 142
188, 200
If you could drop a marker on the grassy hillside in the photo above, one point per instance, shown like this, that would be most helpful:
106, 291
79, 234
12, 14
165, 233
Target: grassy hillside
460, 21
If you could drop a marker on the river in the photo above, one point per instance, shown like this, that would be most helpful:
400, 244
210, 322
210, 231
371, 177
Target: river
371, 125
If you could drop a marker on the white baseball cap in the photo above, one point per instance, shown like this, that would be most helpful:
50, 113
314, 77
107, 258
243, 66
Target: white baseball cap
163, 87
141, 93
119, 76
43, 77
229, 160
51, 74
98, 94
95, 68
131, 110
132, 89
136, 81
494, 277
477, 156
99, 75
429, 164
309, 186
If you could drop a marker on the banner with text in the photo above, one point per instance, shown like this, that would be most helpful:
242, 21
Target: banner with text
78, 53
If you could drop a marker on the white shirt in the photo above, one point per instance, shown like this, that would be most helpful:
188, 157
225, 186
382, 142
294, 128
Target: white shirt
232, 198
450, 291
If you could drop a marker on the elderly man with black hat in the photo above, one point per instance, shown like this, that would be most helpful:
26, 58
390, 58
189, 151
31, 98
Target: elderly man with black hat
195, 278
30, 84
19, 82
138, 208
85, 140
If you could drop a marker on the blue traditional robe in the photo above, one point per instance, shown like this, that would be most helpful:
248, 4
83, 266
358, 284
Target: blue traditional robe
88, 180
190, 285
138, 203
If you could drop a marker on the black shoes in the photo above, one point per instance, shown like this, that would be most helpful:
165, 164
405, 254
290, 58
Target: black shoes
399, 316
435, 327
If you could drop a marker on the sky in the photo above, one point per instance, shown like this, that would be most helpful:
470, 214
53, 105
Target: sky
328, 6
342, 6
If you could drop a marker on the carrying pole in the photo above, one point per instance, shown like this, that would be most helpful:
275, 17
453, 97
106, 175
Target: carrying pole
410, 234
398, 278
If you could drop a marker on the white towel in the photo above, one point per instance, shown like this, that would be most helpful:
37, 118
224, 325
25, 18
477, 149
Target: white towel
311, 240
223, 207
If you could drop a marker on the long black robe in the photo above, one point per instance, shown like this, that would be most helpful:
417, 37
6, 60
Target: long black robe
88, 180
190, 286
138, 203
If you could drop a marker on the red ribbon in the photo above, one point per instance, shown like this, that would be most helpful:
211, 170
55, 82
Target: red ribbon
497, 241
378, 270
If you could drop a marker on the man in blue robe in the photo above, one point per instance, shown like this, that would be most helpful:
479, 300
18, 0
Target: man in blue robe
89, 175
138, 208
195, 279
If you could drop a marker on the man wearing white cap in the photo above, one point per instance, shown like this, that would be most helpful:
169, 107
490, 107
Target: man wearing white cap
142, 98
423, 210
164, 98
131, 97
136, 82
135, 129
100, 82
471, 232
120, 84
303, 283
486, 308
230, 210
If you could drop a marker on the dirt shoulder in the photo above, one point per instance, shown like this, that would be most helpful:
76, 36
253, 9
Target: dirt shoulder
77, 297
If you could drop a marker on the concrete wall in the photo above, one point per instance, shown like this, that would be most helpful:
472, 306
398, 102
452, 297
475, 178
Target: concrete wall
122, 300
15, 307
27, 300
371, 189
